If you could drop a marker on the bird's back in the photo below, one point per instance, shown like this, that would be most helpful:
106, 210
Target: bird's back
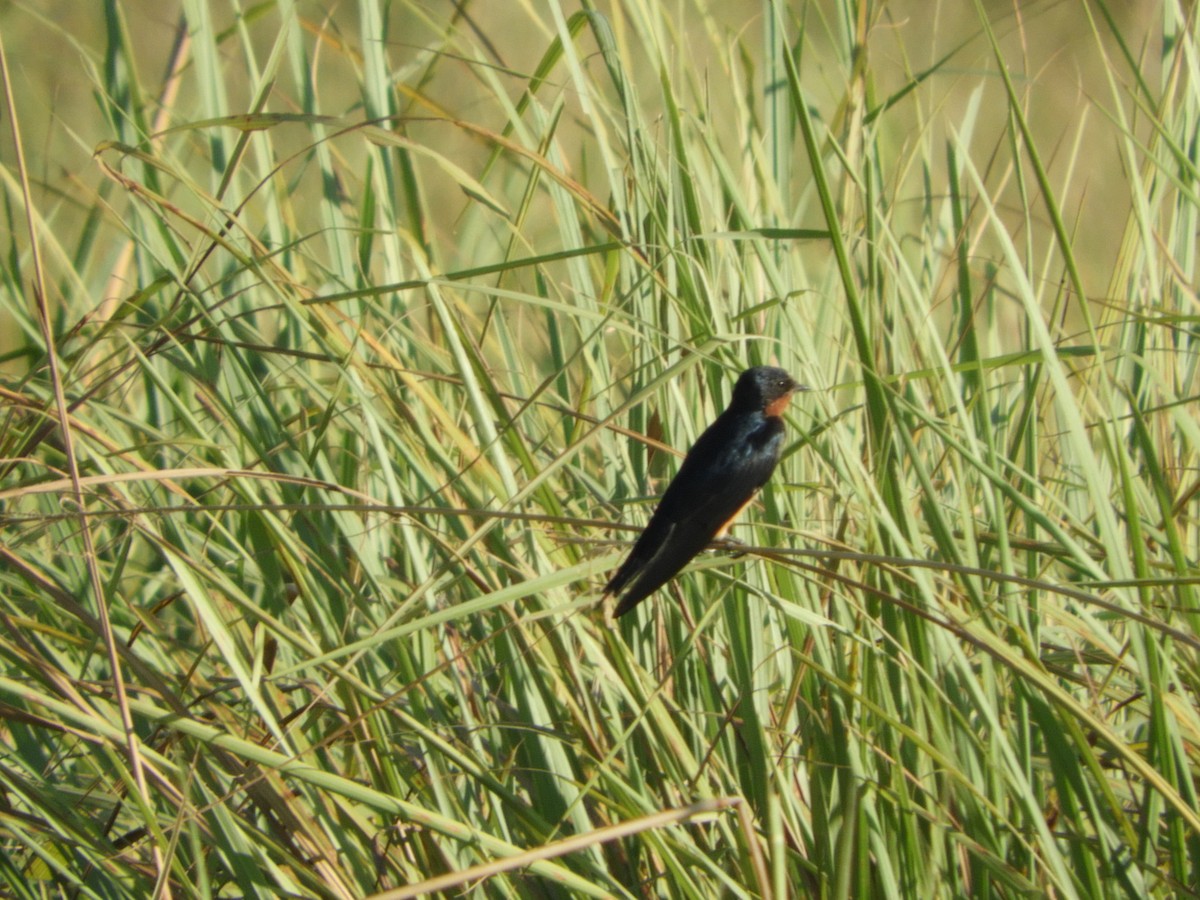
729, 462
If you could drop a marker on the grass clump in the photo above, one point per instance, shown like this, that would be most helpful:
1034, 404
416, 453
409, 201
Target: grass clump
347, 348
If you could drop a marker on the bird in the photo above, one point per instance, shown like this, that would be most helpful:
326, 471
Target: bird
719, 477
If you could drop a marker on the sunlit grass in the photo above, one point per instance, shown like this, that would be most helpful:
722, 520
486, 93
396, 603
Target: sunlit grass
374, 353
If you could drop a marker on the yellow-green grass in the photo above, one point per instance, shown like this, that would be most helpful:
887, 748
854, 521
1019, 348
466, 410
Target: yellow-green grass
345, 348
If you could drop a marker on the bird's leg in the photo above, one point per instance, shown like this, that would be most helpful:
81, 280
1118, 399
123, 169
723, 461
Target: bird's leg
730, 544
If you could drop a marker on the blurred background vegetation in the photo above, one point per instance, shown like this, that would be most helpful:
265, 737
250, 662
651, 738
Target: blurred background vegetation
343, 348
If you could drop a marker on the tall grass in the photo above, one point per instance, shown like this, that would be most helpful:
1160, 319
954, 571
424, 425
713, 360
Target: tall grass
340, 376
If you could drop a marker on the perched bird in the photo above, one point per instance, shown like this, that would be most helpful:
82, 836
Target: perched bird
718, 478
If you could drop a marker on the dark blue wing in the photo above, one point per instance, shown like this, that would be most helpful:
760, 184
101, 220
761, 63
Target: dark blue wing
720, 475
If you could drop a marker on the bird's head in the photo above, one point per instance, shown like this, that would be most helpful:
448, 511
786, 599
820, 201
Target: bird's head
765, 388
